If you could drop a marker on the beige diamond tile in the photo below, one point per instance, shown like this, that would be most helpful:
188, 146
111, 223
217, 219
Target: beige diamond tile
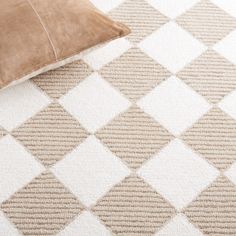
43, 207
134, 73
133, 208
51, 134
140, 16
214, 137
214, 211
217, 23
231, 173
57, 82
211, 75
134, 137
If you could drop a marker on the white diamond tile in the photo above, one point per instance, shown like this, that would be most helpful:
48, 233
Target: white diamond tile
94, 102
172, 46
106, 5
228, 104
6, 228
174, 105
86, 224
227, 47
90, 171
17, 167
178, 173
227, 5
172, 8
102, 56
18, 103
179, 226
231, 173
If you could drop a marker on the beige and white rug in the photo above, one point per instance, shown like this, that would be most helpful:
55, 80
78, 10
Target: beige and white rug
138, 138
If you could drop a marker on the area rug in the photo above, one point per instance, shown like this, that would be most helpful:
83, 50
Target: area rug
137, 138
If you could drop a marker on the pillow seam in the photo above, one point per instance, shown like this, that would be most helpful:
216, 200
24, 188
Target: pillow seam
44, 28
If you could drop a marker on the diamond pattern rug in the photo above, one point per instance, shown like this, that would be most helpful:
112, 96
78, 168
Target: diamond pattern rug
137, 138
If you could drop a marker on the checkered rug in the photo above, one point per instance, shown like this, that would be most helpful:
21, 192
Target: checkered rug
138, 138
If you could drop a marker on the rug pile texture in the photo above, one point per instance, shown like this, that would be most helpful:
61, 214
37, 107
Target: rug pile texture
137, 138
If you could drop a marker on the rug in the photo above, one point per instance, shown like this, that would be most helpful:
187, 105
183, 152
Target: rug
137, 138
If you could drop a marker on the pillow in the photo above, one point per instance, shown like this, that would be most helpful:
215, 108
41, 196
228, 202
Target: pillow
39, 35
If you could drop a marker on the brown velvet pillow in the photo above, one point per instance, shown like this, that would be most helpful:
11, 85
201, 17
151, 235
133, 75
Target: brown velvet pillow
38, 35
